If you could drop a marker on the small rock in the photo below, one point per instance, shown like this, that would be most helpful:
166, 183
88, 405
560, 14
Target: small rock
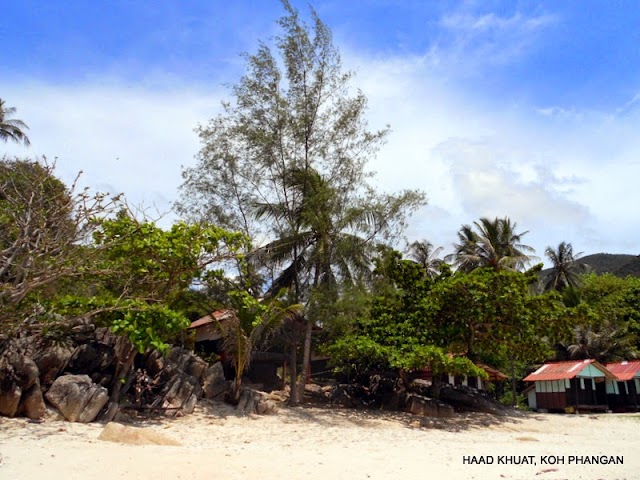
115, 432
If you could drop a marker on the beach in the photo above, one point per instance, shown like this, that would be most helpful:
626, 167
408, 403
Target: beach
329, 443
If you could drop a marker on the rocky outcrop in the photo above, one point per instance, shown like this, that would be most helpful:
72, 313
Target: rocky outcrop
20, 392
179, 378
76, 372
470, 400
254, 401
77, 397
214, 383
51, 362
32, 402
428, 407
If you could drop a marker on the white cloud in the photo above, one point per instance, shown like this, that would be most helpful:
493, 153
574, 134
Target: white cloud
125, 139
563, 176
475, 40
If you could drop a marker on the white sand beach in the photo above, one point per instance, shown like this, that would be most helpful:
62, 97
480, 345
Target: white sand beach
320, 443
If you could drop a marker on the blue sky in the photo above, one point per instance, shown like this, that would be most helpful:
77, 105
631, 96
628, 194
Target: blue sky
519, 108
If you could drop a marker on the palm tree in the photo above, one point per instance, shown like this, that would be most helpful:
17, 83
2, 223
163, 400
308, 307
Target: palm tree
424, 253
318, 247
565, 270
246, 327
606, 343
491, 243
321, 247
12, 129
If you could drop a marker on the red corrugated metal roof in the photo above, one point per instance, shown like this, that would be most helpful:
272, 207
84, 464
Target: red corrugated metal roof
218, 315
494, 373
563, 370
624, 370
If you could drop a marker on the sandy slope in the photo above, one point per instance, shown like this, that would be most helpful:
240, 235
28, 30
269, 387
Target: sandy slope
321, 443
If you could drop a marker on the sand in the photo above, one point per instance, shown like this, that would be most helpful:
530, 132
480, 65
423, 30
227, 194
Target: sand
321, 443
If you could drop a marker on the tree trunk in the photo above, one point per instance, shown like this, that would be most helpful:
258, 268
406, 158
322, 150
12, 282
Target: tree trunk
436, 385
294, 397
125, 355
306, 356
513, 381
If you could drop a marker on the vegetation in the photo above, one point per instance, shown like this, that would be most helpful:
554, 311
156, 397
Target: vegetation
283, 228
491, 243
287, 160
12, 128
249, 325
565, 270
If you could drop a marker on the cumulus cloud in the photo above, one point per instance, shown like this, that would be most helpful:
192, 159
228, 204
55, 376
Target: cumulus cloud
125, 139
562, 173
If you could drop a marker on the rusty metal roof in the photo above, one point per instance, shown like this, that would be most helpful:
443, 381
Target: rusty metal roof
625, 370
563, 370
494, 373
218, 315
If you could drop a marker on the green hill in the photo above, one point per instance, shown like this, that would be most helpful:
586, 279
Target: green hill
620, 265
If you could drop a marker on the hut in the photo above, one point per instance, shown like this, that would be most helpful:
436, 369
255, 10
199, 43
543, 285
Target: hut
263, 370
623, 392
482, 384
571, 386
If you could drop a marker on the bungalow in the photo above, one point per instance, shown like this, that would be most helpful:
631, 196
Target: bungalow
570, 386
264, 366
623, 393
493, 375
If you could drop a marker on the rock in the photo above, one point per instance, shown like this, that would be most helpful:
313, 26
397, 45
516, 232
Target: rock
115, 432
278, 396
10, 394
51, 362
90, 359
18, 375
106, 337
154, 363
214, 383
196, 367
469, 399
77, 397
254, 401
266, 407
179, 391
428, 407
32, 402
25, 371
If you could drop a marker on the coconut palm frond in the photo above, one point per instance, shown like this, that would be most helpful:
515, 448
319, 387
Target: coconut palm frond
11, 128
491, 243
565, 271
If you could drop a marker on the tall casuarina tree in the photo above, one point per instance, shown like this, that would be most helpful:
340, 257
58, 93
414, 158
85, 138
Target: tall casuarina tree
293, 113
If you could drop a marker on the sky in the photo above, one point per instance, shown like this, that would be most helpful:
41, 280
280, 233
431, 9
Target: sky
523, 109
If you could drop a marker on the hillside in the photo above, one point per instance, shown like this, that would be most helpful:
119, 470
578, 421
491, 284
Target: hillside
619, 265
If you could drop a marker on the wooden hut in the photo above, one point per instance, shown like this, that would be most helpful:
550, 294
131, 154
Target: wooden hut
263, 370
493, 375
623, 393
571, 386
